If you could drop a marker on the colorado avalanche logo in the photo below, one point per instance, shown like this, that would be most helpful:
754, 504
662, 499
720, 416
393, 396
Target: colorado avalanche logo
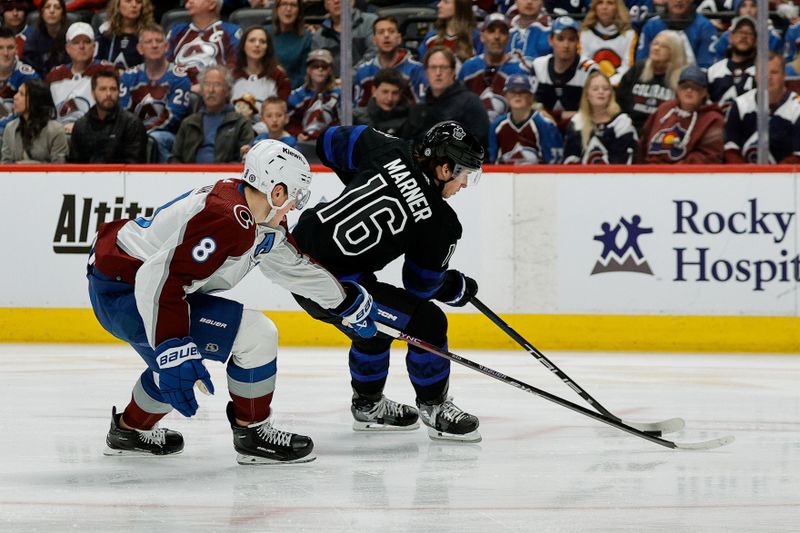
669, 141
520, 155
750, 150
151, 111
197, 53
494, 103
73, 108
243, 216
595, 153
319, 115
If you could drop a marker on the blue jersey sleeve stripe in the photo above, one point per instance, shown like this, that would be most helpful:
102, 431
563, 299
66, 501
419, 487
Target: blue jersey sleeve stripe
351, 143
327, 146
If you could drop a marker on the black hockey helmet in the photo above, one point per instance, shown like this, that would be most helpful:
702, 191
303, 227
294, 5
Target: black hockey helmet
449, 140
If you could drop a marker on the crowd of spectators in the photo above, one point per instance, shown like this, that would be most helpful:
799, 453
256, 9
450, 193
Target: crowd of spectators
536, 81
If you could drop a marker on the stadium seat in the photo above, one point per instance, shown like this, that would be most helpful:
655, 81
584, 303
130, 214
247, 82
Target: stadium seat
98, 19
174, 16
151, 152
33, 18
194, 102
250, 16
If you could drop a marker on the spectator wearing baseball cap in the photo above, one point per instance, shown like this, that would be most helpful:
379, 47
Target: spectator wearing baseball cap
523, 135
70, 83
14, 18
561, 75
315, 105
735, 75
486, 73
748, 9
44, 48
687, 129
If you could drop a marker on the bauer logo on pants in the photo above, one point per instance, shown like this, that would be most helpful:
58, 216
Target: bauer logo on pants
625, 257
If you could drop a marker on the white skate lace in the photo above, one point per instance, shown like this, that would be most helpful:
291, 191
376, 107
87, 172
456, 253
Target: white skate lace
386, 406
274, 436
451, 413
156, 435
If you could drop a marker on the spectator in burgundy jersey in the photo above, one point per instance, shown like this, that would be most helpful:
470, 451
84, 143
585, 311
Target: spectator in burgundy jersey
688, 129
391, 54
119, 34
33, 137
156, 91
455, 29
524, 136
315, 106
45, 47
486, 73
14, 14
107, 133
70, 83
257, 72
204, 41
215, 134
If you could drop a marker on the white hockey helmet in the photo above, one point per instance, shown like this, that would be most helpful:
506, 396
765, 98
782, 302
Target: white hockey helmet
270, 163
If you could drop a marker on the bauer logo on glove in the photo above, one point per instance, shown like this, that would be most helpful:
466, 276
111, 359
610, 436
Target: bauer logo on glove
177, 356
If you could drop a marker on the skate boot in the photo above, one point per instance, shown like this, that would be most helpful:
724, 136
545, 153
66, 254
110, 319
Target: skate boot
382, 414
445, 421
262, 444
155, 441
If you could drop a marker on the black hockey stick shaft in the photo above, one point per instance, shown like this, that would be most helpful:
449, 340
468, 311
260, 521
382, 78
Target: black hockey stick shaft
611, 421
531, 349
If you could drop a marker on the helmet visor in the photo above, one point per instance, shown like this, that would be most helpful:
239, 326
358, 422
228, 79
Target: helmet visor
467, 175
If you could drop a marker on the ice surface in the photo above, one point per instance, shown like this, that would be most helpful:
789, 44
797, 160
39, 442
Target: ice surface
540, 467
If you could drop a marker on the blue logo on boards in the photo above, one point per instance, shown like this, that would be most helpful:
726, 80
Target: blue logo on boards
625, 258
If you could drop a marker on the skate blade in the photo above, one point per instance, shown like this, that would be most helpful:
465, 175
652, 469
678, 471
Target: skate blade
473, 436
111, 452
253, 460
375, 427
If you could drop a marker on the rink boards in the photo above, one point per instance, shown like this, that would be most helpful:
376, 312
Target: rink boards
633, 258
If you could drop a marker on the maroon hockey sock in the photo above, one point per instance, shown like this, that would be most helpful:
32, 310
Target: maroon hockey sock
251, 409
136, 417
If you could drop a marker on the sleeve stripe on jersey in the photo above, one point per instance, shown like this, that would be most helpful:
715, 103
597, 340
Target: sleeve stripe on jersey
351, 145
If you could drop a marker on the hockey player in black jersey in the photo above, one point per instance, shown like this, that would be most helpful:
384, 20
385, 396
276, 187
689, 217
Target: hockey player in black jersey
394, 205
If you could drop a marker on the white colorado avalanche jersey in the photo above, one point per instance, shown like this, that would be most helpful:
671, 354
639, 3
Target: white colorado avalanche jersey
203, 241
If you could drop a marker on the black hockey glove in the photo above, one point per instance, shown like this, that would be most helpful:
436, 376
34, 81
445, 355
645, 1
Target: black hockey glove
457, 289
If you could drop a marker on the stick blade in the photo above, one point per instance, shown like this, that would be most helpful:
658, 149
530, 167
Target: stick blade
705, 445
671, 425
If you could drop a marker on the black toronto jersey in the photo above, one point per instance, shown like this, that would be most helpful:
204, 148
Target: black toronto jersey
388, 209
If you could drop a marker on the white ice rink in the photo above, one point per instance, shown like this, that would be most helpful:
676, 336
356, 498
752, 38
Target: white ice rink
539, 468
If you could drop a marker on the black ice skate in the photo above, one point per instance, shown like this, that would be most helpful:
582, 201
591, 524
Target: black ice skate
382, 414
155, 441
445, 421
262, 444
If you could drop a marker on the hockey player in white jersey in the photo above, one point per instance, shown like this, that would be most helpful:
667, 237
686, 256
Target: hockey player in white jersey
151, 281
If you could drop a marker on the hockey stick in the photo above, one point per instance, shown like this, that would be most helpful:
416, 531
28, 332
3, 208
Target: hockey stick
657, 428
705, 445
